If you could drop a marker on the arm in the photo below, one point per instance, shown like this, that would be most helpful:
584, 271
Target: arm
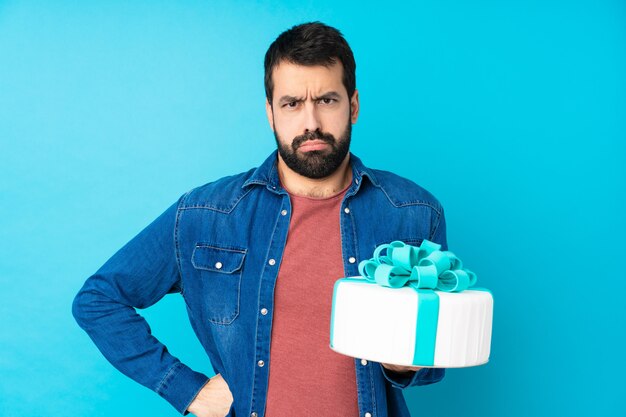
408, 376
137, 276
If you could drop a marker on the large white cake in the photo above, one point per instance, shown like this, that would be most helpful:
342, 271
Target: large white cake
383, 324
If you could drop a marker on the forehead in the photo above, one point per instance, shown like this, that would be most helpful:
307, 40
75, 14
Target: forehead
296, 79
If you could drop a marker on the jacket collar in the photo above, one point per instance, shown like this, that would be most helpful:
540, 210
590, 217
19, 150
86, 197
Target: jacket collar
267, 174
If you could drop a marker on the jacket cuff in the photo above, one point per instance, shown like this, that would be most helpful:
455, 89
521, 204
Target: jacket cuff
424, 376
180, 386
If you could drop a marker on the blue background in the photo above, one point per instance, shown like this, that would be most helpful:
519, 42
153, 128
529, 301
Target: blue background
511, 113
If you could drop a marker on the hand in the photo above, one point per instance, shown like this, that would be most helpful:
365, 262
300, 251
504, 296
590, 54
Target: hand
400, 369
213, 400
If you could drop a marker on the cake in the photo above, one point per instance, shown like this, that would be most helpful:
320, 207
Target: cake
413, 306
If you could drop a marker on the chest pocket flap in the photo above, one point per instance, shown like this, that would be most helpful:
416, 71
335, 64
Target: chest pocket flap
211, 258
220, 271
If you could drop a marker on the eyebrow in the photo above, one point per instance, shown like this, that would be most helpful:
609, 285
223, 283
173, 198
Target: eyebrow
289, 99
330, 94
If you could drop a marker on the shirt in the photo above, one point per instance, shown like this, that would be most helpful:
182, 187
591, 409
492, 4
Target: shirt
220, 246
300, 339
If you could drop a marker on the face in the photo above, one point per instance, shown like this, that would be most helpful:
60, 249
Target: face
312, 116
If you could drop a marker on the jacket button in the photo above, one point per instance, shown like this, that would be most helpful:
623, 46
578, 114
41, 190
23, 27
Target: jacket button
284, 212
363, 362
253, 414
346, 210
261, 364
352, 259
368, 414
218, 265
264, 311
272, 262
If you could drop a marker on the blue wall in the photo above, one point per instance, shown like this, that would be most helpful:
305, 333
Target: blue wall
512, 113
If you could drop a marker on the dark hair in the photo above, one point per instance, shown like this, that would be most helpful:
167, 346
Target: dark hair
310, 44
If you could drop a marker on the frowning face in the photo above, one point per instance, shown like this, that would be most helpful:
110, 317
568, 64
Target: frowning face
311, 116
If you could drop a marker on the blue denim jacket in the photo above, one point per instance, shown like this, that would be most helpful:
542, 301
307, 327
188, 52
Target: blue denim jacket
221, 246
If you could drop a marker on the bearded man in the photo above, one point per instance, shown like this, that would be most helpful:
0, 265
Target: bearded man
255, 257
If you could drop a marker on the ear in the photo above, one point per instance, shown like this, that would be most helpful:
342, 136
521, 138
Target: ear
354, 106
270, 113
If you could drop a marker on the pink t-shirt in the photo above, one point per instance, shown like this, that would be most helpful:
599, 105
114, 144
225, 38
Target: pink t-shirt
306, 377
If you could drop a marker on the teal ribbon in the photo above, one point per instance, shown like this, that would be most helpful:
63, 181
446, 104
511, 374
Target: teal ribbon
421, 267
425, 268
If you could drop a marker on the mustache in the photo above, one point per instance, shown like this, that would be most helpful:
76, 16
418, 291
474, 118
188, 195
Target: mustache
316, 135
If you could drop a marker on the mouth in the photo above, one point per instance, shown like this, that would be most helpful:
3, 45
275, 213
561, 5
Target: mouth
313, 145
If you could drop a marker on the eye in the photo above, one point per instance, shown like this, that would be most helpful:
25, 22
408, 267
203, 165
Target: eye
327, 100
291, 104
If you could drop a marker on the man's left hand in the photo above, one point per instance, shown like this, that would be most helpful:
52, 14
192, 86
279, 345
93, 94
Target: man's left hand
401, 369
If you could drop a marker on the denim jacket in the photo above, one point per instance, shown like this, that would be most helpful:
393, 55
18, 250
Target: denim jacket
221, 245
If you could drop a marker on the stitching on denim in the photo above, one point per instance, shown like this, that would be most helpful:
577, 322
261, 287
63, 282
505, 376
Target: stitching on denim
222, 270
176, 244
242, 252
342, 232
409, 203
236, 272
229, 248
363, 170
224, 321
354, 239
167, 375
371, 176
218, 209
373, 391
408, 240
419, 203
434, 230
256, 330
254, 182
256, 345
359, 394
414, 379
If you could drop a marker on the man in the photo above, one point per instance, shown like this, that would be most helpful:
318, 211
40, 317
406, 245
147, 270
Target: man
255, 257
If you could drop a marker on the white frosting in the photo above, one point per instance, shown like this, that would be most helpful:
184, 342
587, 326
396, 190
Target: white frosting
378, 324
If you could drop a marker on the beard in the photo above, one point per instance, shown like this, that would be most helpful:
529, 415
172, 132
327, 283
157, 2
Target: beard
316, 164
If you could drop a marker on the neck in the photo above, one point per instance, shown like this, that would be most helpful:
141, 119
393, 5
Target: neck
299, 185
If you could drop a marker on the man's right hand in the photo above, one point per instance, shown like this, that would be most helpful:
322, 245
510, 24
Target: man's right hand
213, 400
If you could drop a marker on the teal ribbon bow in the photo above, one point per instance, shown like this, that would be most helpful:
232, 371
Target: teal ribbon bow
421, 267
425, 268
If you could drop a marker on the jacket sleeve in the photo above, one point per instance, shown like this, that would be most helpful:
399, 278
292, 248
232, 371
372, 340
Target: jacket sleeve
424, 376
137, 276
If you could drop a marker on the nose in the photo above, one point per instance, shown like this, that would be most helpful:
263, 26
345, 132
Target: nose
311, 118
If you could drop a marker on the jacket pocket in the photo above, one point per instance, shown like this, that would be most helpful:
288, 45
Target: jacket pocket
220, 275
